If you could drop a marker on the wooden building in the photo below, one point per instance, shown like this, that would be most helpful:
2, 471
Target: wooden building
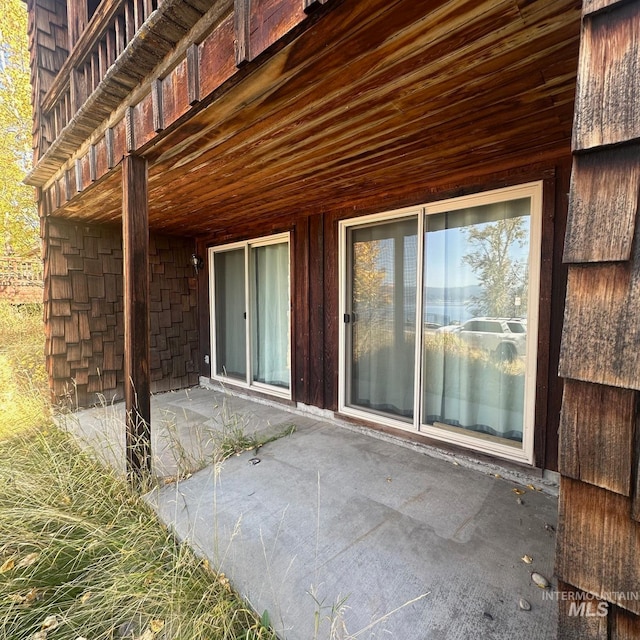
371, 207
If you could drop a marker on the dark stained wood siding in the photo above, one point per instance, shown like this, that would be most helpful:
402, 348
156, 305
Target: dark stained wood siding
49, 48
300, 310
608, 96
612, 220
83, 312
598, 542
578, 627
317, 287
601, 335
586, 449
269, 21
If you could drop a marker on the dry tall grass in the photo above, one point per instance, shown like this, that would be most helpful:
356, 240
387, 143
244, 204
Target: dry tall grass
81, 556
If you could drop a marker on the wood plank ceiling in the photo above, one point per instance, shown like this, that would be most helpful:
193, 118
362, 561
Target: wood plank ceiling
366, 104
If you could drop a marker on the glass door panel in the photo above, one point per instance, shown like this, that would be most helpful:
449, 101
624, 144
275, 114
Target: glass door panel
475, 292
380, 319
270, 314
230, 316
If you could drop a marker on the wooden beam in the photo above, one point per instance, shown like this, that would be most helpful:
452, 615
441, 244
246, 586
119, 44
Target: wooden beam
92, 163
130, 129
193, 74
156, 102
78, 175
137, 382
242, 25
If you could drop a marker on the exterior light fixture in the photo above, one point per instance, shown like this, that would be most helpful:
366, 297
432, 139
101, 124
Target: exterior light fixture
196, 262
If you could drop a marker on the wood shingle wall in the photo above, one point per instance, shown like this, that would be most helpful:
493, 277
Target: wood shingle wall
48, 48
83, 312
598, 553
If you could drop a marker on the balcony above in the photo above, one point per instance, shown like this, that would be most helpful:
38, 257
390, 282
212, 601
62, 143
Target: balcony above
124, 41
280, 106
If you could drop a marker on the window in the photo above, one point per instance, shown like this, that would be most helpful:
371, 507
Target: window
251, 317
440, 309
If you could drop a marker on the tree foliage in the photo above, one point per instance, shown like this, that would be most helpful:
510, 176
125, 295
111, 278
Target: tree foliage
502, 277
18, 214
370, 297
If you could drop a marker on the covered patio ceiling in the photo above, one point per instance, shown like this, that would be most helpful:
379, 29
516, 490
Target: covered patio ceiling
366, 103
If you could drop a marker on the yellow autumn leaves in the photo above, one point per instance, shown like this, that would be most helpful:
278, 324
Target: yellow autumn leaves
27, 561
13, 564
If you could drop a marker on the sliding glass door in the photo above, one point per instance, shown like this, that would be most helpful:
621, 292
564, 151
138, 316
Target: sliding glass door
439, 309
251, 318
230, 315
269, 304
380, 317
476, 279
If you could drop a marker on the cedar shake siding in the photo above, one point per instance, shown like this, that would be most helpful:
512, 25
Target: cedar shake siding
598, 542
83, 312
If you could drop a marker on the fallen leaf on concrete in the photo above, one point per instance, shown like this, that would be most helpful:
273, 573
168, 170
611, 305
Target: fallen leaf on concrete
517, 491
527, 559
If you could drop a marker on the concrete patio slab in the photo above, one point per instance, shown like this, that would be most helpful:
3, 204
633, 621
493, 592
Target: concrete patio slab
338, 534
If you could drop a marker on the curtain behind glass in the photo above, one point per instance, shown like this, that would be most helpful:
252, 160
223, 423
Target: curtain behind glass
381, 335
476, 277
270, 314
231, 351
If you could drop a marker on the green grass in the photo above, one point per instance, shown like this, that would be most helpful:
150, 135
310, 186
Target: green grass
81, 556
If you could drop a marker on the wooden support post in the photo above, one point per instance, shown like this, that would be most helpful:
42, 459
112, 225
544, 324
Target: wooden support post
137, 388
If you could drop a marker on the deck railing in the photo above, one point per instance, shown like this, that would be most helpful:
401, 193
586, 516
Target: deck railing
21, 281
19, 272
111, 29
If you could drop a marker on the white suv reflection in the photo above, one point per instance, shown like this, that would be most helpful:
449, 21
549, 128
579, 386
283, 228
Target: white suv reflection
505, 338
